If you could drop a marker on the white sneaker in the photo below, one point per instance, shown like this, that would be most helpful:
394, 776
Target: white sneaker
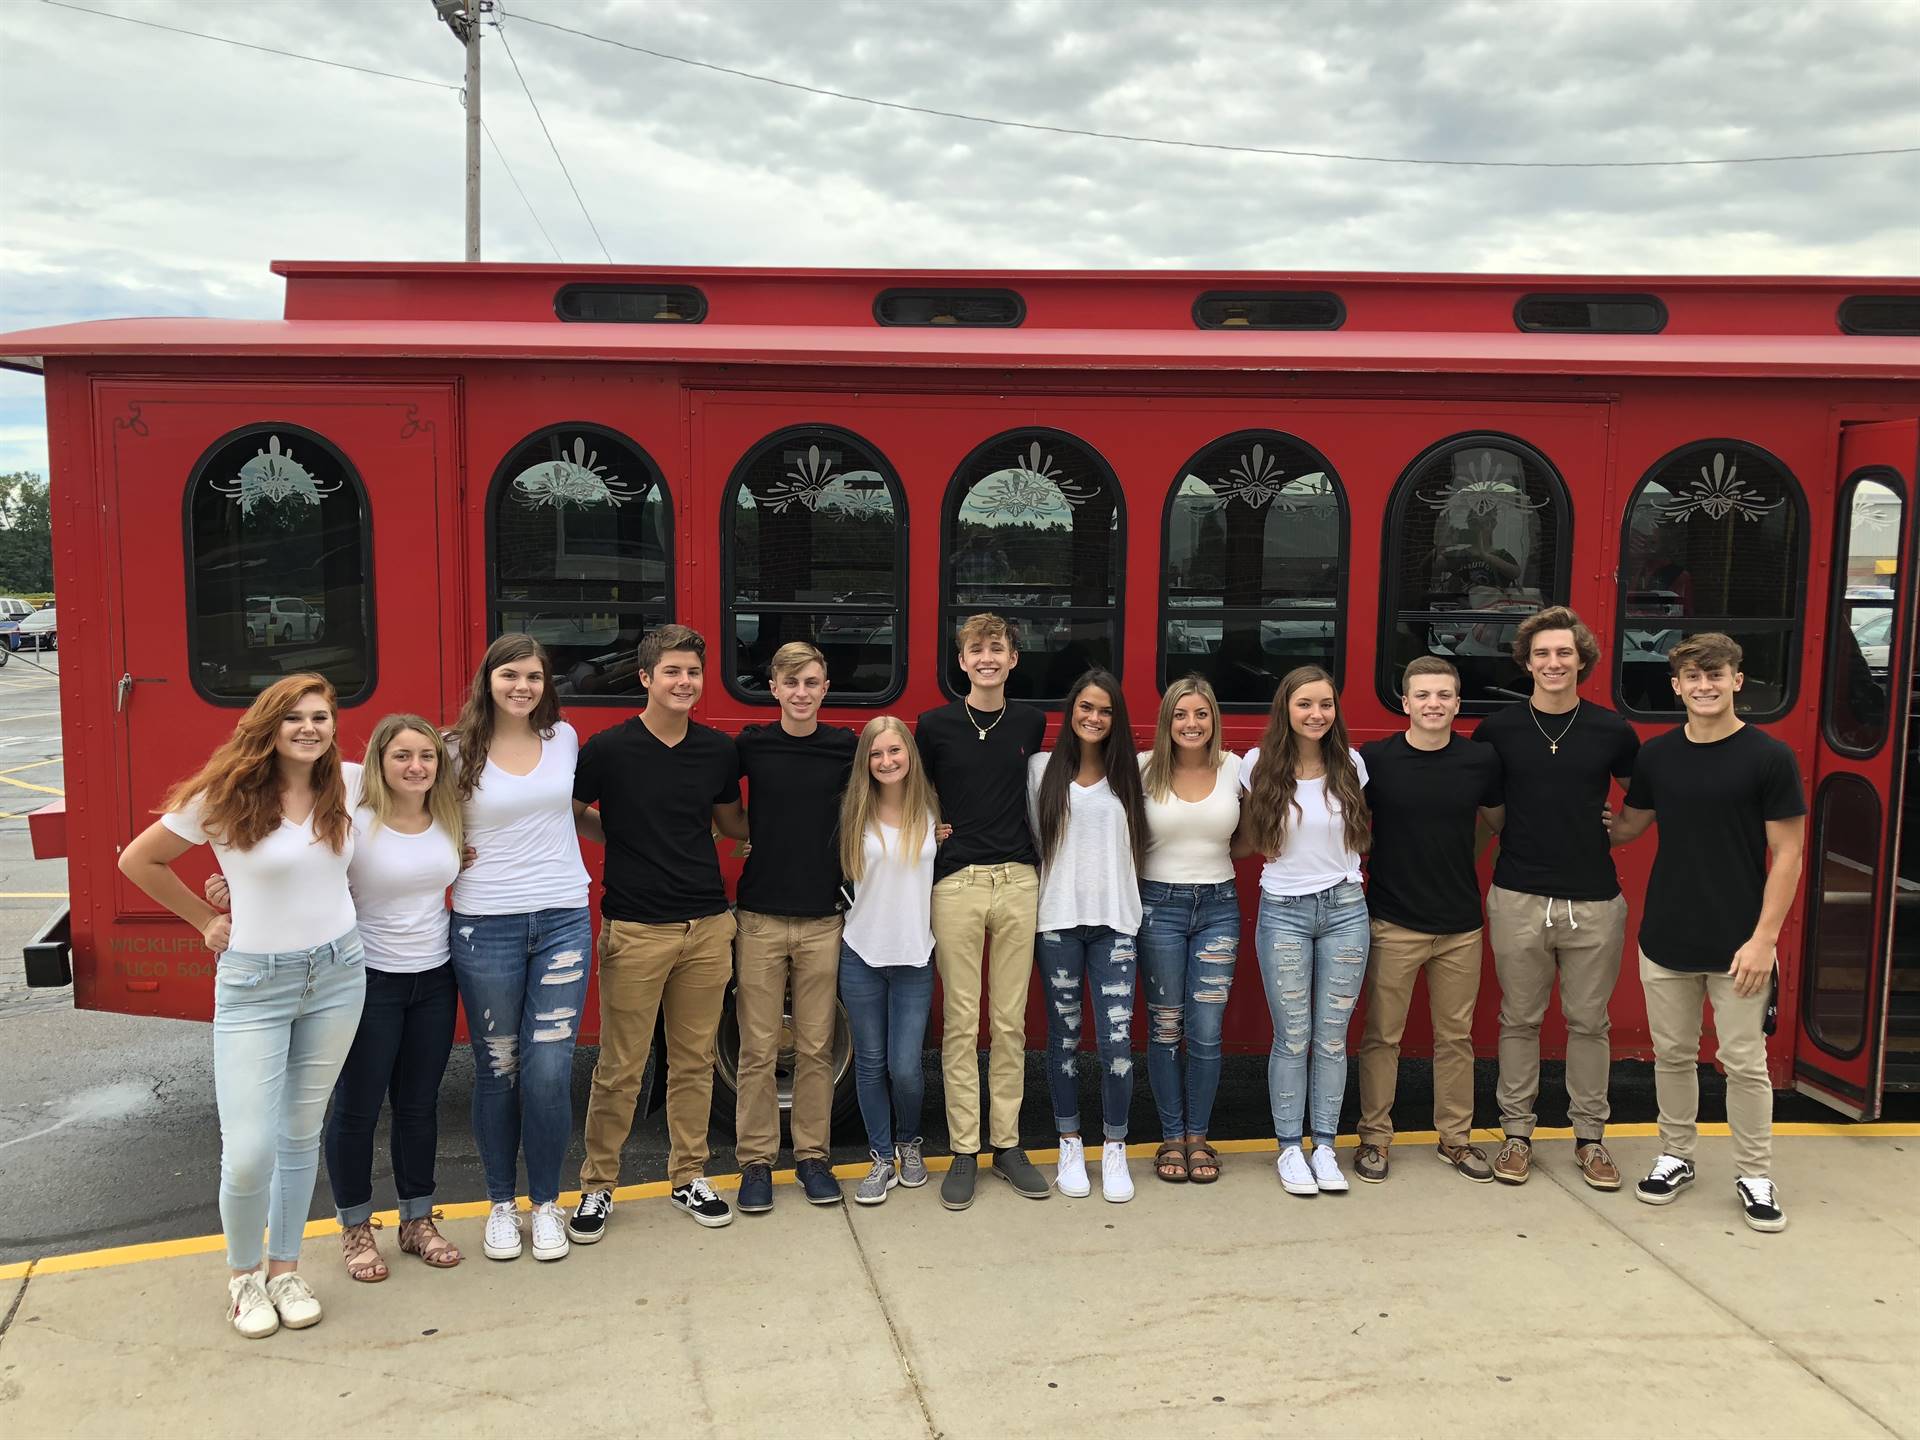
1295, 1176
1070, 1176
293, 1300
1326, 1170
1115, 1183
503, 1232
250, 1311
549, 1232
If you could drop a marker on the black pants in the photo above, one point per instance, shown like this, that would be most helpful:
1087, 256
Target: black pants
400, 1053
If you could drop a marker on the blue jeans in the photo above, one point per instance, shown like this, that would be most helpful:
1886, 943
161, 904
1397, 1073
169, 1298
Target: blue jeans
399, 1053
1104, 959
523, 979
887, 1009
282, 1025
1189, 942
1313, 956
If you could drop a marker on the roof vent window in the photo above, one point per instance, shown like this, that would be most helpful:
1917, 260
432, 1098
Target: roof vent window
631, 304
949, 307
1592, 314
1881, 315
1269, 310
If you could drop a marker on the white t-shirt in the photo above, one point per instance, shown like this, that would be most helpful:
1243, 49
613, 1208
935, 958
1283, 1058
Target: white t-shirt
526, 854
399, 885
891, 919
1190, 842
1316, 856
1090, 880
287, 893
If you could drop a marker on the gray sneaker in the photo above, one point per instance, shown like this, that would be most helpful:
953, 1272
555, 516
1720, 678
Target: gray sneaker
1014, 1167
880, 1179
913, 1166
956, 1191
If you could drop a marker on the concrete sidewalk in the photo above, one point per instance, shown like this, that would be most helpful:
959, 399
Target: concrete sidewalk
1427, 1306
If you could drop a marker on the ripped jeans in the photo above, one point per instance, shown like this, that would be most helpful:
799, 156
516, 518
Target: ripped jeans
1189, 942
1105, 960
523, 979
1313, 957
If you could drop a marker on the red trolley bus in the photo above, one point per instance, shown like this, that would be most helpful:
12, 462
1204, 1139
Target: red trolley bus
1228, 473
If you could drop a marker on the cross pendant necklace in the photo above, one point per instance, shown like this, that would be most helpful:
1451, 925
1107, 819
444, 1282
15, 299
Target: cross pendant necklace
1553, 741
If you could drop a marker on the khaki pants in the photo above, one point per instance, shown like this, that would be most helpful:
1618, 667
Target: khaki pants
767, 951
681, 968
994, 906
1675, 999
1534, 938
1452, 967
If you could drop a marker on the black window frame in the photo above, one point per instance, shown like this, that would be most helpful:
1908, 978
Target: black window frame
352, 473
1570, 297
730, 609
1250, 297
1843, 317
1794, 624
1838, 602
501, 479
1345, 569
1386, 686
950, 613
692, 292
957, 292
1820, 821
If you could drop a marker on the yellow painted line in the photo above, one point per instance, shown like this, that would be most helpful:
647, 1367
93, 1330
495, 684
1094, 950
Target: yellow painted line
29, 785
33, 895
15, 1270
56, 760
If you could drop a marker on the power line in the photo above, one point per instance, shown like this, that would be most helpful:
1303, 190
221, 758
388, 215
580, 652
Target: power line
500, 155
501, 31
1204, 144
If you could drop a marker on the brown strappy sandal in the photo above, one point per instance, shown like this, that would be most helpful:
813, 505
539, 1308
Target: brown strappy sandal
1170, 1162
362, 1255
421, 1237
1203, 1163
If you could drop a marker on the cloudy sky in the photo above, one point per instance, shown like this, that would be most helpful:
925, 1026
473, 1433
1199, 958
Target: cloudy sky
145, 173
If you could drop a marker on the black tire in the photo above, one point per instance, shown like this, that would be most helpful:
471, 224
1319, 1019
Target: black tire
6, 654
726, 1071
286, 636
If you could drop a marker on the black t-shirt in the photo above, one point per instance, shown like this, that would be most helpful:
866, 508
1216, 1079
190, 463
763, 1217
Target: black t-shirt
656, 805
794, 785
1553, 843
982, 783
1426, 807
1712, 802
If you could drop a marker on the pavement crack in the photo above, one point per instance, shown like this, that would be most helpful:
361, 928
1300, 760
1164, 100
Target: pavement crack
19, 1296
893, 1329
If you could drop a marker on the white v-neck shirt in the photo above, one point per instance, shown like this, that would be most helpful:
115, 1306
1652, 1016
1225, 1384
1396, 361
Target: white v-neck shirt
287, 893
1090, 880
526, 852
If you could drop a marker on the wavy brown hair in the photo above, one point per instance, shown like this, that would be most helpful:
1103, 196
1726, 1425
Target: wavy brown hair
1051, 804
472, 733
1271, 806
239, 786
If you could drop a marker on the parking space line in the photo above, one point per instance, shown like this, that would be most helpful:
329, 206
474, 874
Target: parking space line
34, 715
29, 785
33, 895
50, 760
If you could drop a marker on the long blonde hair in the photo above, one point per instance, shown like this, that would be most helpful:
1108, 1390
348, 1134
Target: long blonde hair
859, 806
443, 800
1270, 805
1158, 775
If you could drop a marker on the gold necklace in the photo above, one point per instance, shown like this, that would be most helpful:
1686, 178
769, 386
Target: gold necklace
980, 731
1553, 741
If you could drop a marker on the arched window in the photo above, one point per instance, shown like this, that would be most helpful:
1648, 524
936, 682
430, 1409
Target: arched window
1714, 539
1034, 535
279, 566
1477, 539
814, 547
1255, 584
581, 554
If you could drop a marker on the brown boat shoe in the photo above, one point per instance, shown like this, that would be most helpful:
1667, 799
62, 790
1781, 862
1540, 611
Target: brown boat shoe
1469, 1160
1515, 1160
1596, 1165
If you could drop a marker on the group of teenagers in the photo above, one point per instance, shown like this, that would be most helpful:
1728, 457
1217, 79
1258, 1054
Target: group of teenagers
876, 860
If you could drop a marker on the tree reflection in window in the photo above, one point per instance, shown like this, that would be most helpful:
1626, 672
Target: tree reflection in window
1033, 534
582, 554
816, 551
278, 565
1477, 538
1714, 539
1254, 584
1860, 645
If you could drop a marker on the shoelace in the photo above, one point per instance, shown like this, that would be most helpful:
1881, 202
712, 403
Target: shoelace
1668, 1166
295, 1284
252, 1292
701, 1192
594, 1203
1759, 1192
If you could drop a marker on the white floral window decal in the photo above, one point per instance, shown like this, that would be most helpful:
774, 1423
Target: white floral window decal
815, 484
1718, 493
1257, 479
271, 476
1490, 484
575, 478
1034, 485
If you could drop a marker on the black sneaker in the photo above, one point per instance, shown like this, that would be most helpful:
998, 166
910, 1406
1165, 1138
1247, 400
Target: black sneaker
816, 1183
756, 1188
1760, 1204
956, 1191
589, 1220
1669, 1176
1013, 1167
696, 1197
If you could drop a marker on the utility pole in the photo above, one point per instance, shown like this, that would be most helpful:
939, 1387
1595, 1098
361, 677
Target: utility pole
463, 18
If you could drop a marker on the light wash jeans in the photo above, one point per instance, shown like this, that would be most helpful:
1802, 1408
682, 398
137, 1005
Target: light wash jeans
1106, 962
1189, 943
282, 1026
1313, 957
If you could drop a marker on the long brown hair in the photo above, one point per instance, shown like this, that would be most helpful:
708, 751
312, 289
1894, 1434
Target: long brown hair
443, 809
1122, 767
1271, 805
239, 786
1158, 775
919, 806
472, 733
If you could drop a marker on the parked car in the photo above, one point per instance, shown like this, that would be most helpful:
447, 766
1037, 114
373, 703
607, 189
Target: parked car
36, 631
282, 619
12, 611
1873, 631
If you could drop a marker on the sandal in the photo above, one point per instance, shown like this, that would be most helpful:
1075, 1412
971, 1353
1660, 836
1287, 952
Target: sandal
1203, 1163
420, 1237
361, 1254
1170, 1162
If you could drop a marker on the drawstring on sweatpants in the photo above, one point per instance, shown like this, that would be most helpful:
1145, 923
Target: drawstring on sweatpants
1570, 920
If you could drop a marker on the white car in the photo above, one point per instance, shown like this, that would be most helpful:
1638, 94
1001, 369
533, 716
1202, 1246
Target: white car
281, 620
1873, 631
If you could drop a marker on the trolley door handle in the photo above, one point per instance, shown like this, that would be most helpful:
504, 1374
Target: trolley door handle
123, 691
